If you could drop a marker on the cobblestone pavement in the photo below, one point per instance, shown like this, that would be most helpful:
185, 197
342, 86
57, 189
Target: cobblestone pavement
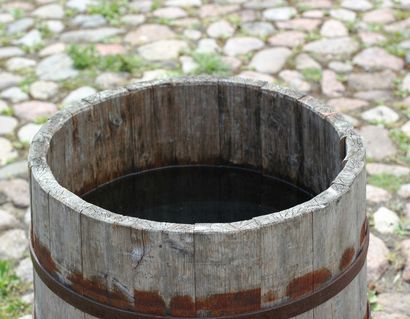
354, 54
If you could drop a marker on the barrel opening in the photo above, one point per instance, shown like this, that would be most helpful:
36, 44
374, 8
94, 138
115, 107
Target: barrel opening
213, 142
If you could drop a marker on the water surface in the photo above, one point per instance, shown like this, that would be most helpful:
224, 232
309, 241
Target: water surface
196, 194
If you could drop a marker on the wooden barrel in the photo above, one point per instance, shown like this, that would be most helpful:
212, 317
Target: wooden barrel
305, 262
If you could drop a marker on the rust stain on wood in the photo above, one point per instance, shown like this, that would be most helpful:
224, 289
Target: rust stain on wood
320, 277
182, 306
93, 288
367, 314
44, 255
307, 283
269, 297
232, 303
96, 289
148, 302
119, 299
346, 258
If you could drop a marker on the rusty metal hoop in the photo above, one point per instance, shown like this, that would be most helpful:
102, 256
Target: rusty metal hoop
281, 311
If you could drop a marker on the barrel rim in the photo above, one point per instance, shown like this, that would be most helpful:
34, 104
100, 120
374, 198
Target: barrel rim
354, 159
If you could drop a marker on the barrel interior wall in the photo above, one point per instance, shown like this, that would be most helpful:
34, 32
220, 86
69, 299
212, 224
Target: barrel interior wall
239, 125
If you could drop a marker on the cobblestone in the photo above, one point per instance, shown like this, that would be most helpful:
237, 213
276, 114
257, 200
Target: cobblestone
353, 54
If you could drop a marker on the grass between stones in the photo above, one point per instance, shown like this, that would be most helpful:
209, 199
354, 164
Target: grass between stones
392, 44
85, 57
210, 64
386, 181
403, 229
111, 10
401, 140
372, 296
11, 306
156, 4
312, 74
8, 111
29, 79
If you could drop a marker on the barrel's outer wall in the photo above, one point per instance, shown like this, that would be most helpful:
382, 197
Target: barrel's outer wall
49, 306
188, 270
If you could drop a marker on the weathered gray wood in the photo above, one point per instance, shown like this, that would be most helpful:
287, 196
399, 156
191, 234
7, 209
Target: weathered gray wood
94, 276
239, 118
280, 154
198, 130
201, 270
65, 235
120, 265
349, 303
112, 133
141, 99
286, 257
227, 268
147, 265
178, 281
49, 306
81, 165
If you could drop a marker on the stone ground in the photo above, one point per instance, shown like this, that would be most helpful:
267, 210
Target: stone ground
354, 54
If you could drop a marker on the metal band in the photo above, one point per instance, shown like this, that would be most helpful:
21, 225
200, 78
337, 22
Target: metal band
281, 311
367, 315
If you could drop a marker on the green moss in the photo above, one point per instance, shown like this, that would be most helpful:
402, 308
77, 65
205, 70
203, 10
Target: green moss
376, 27
312, 74
121, 63
302, 7
403, 229
392, 44
45, 31
247, 57
72, 84
33, 48
83, 56
386, 181
396, 50
401, 14
401, 93
69, 12
17, 13
21, 146
235, 20
372, 297
174, 73
111, 10
209, 63
400, 139
403, 108
8, 111
378, 3
164, 21
11, 306
7, 38
41, 119
342, 77
29, 79
156, 4
87, 57
313, 36
352, 26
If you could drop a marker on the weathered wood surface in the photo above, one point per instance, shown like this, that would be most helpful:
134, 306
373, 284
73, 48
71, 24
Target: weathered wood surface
202, 270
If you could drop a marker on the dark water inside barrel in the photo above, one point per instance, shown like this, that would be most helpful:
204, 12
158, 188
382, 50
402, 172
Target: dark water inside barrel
196, 194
